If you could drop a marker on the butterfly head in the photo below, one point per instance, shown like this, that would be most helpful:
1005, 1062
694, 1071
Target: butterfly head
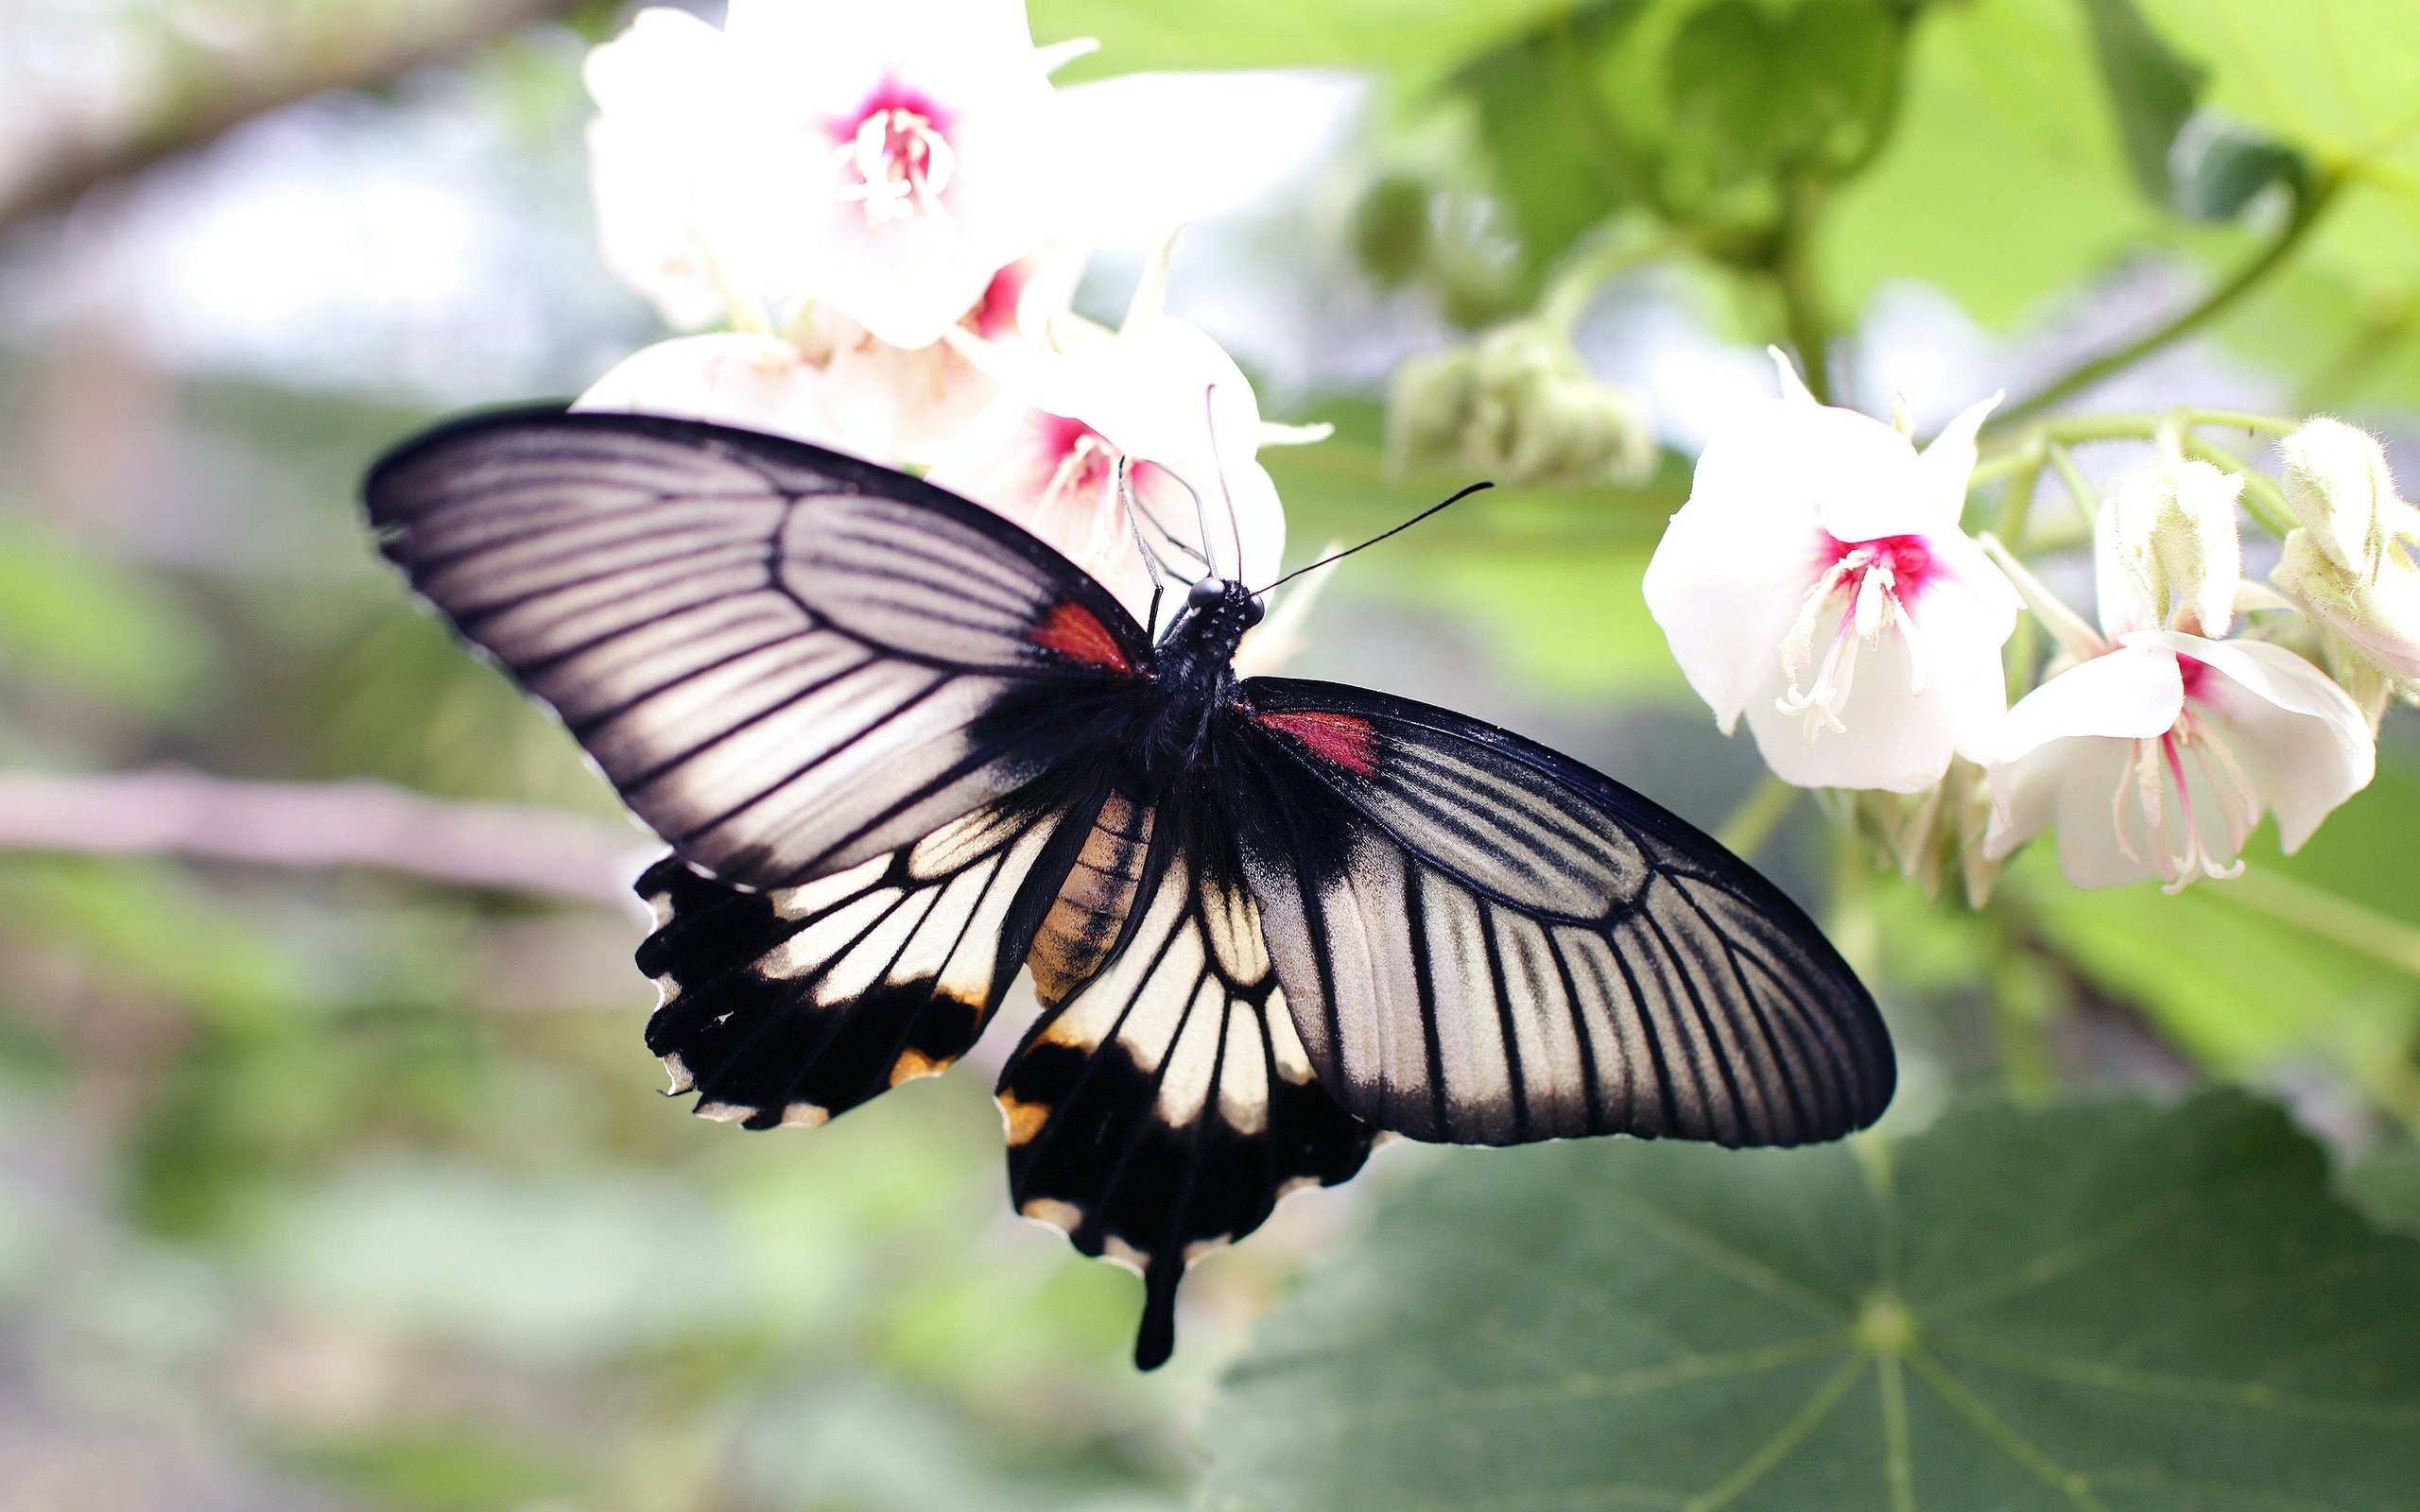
1225, 600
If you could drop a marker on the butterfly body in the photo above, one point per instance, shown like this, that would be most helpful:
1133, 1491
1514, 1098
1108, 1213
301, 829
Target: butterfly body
902, 751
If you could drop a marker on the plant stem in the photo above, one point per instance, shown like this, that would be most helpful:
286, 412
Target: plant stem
1752, 824
2079, 488
2262, 499
1614, 249
2234, 420
2016, 501
2307, 214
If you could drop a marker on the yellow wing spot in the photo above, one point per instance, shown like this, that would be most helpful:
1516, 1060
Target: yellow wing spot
1068, 1029
914, 1063
1024, 1119
804, 1115
682, 1080
723, 1113
1065, 1216
1118, 1252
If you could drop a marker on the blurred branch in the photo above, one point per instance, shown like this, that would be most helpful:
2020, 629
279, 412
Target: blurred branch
504, 847
202, 109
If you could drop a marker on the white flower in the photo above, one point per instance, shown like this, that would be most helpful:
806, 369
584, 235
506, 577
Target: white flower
1817, 581
2157, 751
761, 382
887, 159
1160, 394
2352, 565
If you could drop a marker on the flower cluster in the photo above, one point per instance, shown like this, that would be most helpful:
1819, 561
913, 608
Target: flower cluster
878, 206
1819, 581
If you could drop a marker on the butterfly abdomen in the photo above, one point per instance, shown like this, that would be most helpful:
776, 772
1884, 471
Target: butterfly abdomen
1083, 923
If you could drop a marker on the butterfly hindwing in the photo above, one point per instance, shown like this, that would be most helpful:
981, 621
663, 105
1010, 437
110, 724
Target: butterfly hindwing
792, 1005
1159, 1109
1486, 942
788, 661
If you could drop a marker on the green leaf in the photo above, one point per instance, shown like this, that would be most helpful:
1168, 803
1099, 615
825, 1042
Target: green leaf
2239, 992
1404, 34
2101, 1306
1552, 156
2340, 81
2006, 179
2387, 1187
2228, 167
2151, 90
1755, 89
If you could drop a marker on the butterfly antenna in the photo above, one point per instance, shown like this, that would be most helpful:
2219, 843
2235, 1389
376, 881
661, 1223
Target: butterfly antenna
1192, 551
1475, 487
1219, 464
1142, 548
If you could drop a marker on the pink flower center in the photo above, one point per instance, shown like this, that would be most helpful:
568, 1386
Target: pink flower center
1085, 462
2196, 674
1905, 561
896, 147
1869, 586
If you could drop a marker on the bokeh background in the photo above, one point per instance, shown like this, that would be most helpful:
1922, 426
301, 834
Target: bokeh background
331, 1172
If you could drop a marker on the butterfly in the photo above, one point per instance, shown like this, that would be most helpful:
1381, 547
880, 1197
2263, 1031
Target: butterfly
902, 750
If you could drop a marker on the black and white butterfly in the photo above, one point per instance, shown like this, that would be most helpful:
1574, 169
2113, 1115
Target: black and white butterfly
902, 750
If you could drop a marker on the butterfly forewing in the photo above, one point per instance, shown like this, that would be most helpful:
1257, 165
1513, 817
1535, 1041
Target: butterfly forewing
1486, 942
788, 661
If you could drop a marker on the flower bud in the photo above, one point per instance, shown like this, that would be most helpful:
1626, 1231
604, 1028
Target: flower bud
2351, 565
1429, 406
2338, 485
1522, 407
2174, 534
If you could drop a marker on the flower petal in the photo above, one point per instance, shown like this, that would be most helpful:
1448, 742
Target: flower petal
2135, 693
1726, 591
1949, 462
2095, 799
760, 383
1794, 388
2025, 792
1893, 739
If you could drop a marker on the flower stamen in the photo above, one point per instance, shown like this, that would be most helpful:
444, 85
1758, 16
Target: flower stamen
902, 164
1868, 585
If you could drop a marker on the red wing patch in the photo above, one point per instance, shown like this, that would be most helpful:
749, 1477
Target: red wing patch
1340, 740
1073, 631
